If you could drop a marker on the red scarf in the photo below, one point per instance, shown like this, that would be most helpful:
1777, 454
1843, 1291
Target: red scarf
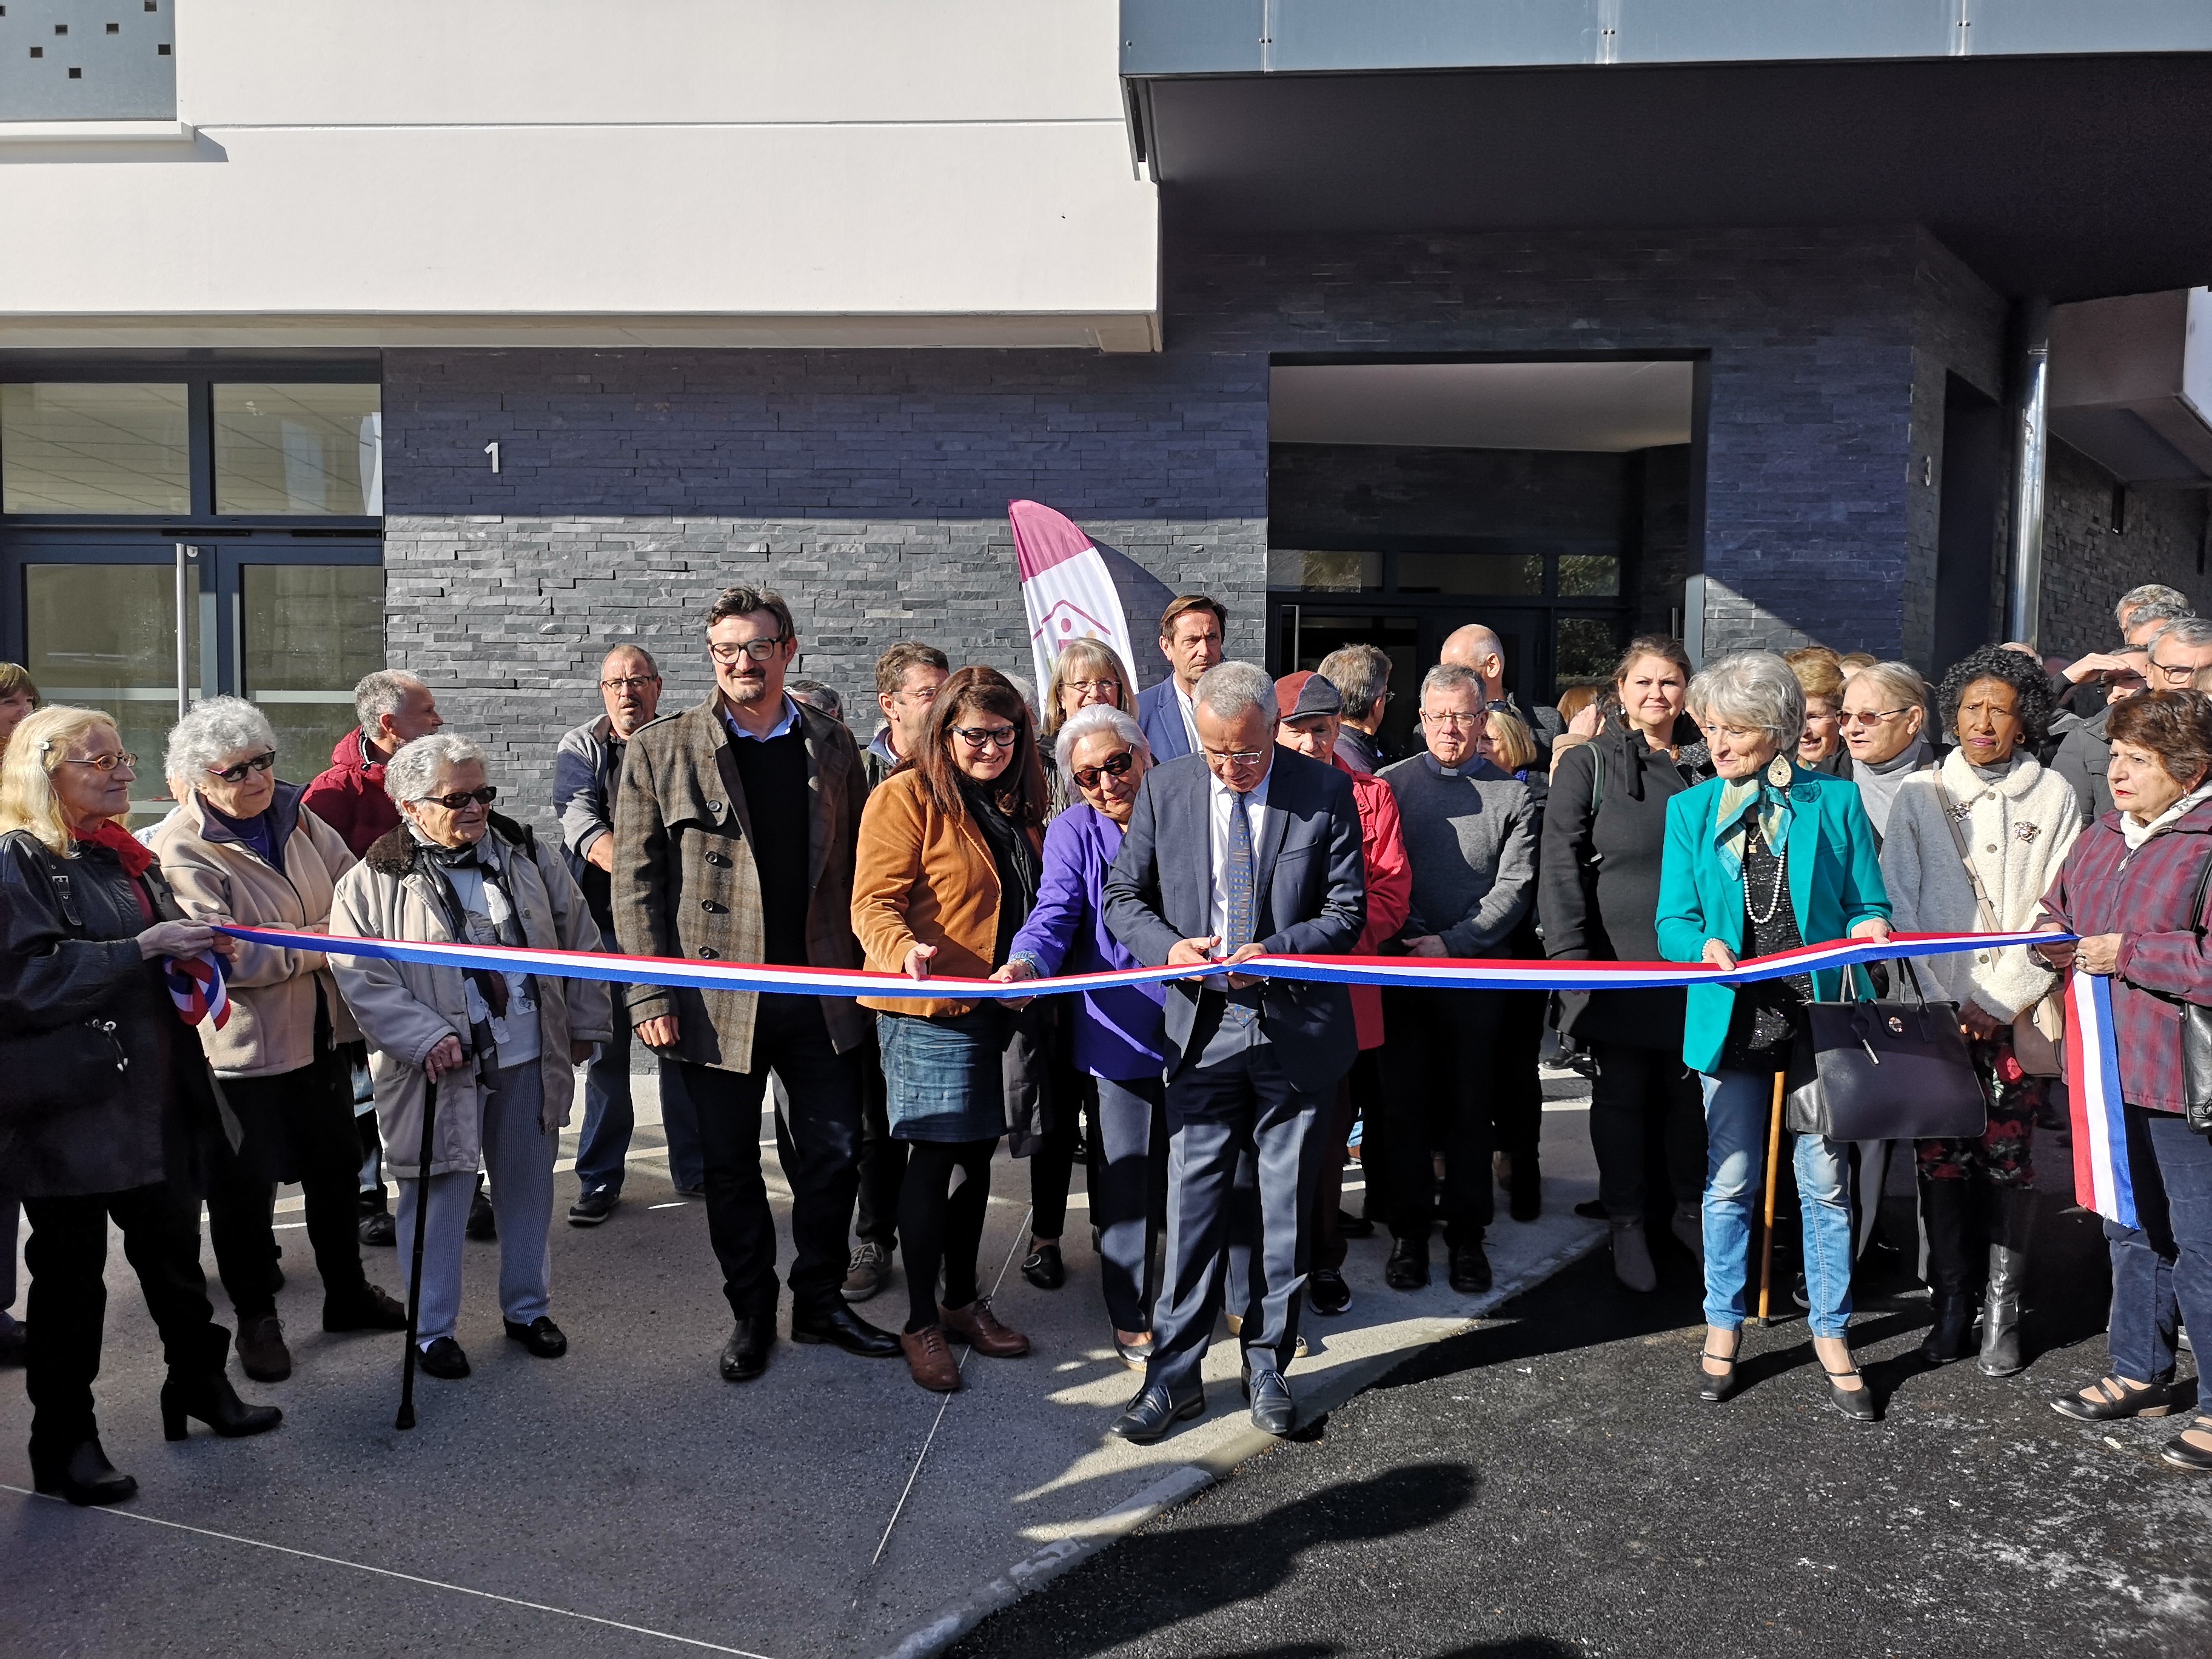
136, 858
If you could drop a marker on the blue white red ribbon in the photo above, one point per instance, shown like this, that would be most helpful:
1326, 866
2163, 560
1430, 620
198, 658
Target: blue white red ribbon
196, 986
2102, 1182
1441, 973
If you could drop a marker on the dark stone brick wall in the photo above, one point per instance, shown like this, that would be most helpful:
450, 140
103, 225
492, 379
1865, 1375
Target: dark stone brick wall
2085, 567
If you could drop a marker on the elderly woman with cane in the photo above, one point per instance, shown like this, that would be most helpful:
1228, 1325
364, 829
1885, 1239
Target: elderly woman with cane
500, 1049
110, 1107
241, 847
1766, 857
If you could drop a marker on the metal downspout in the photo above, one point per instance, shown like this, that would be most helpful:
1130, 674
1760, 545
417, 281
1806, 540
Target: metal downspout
2031, 450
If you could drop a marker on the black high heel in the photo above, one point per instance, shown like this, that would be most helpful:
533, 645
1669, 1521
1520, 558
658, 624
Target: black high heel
83, 1474
1714, 1389
212, 1400
1858, 1404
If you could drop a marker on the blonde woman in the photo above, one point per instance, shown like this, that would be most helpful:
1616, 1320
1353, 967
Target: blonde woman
1089, 674
85, 922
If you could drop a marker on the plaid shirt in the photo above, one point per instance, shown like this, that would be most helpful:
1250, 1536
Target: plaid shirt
2144, 897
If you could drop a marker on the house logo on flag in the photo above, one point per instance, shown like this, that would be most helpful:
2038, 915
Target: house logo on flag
1067, 591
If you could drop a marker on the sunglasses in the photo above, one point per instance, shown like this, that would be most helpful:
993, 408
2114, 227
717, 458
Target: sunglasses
1086, 777
455, 802
237, 774
987, 737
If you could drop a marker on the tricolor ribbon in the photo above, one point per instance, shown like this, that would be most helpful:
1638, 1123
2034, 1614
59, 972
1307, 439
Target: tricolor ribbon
2102, 1179
196, 986
1442, 973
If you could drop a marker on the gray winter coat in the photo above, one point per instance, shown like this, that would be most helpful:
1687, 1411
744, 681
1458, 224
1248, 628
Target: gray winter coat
405, 1009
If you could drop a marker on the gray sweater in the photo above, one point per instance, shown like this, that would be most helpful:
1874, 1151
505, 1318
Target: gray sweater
1472, 842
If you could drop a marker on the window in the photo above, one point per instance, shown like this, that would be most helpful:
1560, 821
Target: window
94, 447
311, 448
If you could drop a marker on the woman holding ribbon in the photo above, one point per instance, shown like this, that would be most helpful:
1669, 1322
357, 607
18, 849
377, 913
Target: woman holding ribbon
1117, 1031
947, 871
241, 847
501, 1047
2133, 890
1766, 857
1972, 847
85, 926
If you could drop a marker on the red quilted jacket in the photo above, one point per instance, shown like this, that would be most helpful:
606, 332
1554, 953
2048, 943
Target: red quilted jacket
351, 797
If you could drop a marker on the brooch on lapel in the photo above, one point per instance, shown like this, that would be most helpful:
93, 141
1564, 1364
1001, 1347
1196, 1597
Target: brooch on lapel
2025, 831
1777, 771
1959, 814
1805, 792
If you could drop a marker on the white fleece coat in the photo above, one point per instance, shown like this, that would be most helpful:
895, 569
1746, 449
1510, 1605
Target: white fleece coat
2018, 830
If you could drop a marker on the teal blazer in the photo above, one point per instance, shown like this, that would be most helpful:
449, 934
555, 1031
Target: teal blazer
1835, 881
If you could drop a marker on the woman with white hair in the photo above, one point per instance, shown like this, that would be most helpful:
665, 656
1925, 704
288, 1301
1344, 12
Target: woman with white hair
1766, 857
1103, 753
1885, 718
500, 1048
241, 847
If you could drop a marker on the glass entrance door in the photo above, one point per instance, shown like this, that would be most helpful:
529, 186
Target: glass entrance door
290, 627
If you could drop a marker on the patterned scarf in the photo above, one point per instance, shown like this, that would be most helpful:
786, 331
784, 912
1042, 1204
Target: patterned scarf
1767, 799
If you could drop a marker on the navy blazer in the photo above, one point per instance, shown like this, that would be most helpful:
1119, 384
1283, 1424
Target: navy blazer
1160, 716
1312, 893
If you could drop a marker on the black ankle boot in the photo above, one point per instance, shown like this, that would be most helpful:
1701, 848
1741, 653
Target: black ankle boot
2011, 1225
205, 1392
1948, 1207
83, 1474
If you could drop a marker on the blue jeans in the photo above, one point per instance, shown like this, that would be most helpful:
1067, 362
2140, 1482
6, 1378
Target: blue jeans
1737, 1108
2163, 1268
610, 1116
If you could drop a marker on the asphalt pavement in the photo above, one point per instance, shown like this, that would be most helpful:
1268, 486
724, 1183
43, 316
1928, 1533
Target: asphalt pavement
1549, 1485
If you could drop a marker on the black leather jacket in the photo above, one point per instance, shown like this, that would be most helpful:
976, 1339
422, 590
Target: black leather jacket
152, 1127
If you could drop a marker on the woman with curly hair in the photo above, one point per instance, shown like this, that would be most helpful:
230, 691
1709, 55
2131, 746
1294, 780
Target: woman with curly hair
1972, 847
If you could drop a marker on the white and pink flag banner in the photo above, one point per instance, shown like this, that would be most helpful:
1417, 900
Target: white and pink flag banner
1066, 589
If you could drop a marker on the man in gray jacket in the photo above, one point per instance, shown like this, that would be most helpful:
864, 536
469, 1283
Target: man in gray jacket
586, 771
1471, 837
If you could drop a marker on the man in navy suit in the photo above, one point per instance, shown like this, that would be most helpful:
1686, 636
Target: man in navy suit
1190, 639
1241, 849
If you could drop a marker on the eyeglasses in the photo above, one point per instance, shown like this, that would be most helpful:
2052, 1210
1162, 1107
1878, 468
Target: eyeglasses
459, 798
2176, 673
987, 737
1086, 777
758, 650
1455, 722
1215, 757
237, 774
1109, 688
106, 762
1867, 717
631, 681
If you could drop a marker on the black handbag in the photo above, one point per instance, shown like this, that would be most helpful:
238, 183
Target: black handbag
80, 1064
1884, 1071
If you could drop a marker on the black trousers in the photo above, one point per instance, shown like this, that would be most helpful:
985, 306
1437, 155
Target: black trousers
822, 1170
1440, 1075
310, 1112
883, 1159
67, 1254
1640, 1094
1517, 1101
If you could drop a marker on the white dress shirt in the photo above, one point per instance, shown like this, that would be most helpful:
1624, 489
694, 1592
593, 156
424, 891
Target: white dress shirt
1190, 713
1221, 801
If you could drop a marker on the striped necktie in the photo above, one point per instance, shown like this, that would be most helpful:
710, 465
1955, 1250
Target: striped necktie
1236, 893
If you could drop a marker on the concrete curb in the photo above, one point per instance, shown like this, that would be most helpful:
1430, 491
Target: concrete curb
956, 1617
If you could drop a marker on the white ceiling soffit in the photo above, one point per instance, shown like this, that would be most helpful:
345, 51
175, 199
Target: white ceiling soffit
1603, 406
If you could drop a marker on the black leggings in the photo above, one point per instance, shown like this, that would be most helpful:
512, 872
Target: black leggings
940, 1221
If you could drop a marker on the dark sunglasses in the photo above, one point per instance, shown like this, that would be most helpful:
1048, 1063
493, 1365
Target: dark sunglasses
237, 774
455, 802
986, 737
1086, 777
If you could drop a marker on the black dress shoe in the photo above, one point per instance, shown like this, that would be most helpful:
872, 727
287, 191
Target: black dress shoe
745, 1356
444, 1359
378, 1228
1470, 1269
14, 1340
1526, 1201
1349, 1225
1152, 1413
541, 1336
1327, 1291
1408, 1267
835, 1323
84, 1475
1044, 1268
1274, 1412
370, 1308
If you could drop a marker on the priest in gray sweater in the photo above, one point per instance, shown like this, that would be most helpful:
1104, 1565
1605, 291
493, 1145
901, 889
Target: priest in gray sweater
1470, 835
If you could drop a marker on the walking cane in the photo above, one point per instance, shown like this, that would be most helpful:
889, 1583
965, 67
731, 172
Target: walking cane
406, 1418
1773, 1157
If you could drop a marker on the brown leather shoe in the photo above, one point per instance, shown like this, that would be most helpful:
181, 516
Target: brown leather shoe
261, 1350
979, 1327
930, 1360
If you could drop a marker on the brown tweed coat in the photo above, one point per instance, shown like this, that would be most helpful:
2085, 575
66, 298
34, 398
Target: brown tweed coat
684, 883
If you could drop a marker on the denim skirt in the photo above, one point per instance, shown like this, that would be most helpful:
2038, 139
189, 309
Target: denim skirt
945, 1077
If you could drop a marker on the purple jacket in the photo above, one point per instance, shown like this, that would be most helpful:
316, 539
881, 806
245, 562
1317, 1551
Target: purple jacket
2144, 897
1117, 1032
